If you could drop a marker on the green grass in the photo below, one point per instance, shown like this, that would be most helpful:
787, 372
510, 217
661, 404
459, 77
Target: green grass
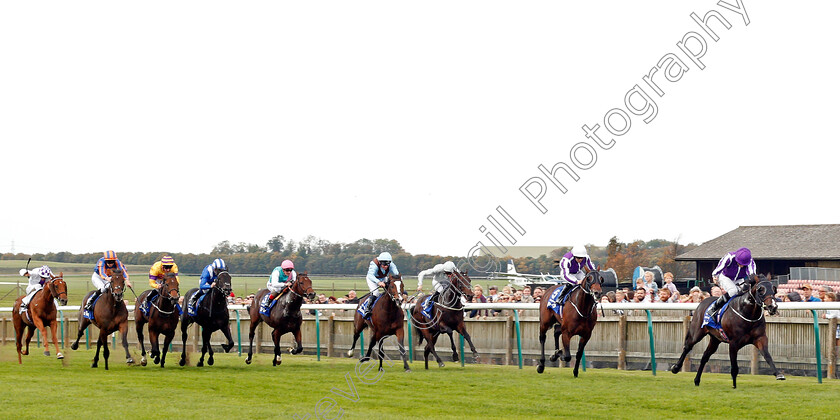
232, 389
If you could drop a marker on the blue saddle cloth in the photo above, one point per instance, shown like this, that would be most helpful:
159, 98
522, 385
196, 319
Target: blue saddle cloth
427, 307
265, 305
191, 310
361, 307
89, 313
715, 322
145, 306
553, 304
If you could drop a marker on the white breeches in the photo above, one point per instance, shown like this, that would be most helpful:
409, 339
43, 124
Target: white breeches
728, 285
276, 288
439, 286
30, 291
99, 282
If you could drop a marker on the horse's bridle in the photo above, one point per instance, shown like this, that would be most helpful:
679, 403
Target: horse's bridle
587, 290
458, 291
763, 306
54, 289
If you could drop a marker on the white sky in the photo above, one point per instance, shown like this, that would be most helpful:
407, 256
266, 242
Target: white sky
171, 126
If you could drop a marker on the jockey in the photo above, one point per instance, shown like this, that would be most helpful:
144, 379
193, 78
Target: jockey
282, 277
732, 273
101, 277
378, 271
571, 269
37, 278
158, 272
442, 276
208, 280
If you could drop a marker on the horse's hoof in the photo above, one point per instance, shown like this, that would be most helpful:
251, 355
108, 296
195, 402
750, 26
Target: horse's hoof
59, 356
129, 361
182, 362
143, 361
157, 360
349, 353
248, 361
567, 359
227, 348
200, 364
696, 382
25, 352
440, 364
553, 358
94, 365
408, 371
210, 361
455, 357
74, 346
674, 369
46, 353
540, 369
780, 377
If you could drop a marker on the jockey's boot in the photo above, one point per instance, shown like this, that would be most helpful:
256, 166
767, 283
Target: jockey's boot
193, 299
434, 298
716, 305
367, 306
22, 307
566, 289
89, 304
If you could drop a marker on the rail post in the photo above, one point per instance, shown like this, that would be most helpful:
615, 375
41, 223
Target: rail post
4, 330
61, 317
410, 341
318, 334
622, 342
331, 335
508, 339
238, 331
817, 345
652, 349
832, 348
518, 342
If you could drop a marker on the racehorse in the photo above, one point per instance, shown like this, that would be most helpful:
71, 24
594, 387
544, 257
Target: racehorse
109, 314
742, 323
284, 316
447, 315
40, 313
162, 318
579, 318
386, 319
212, 314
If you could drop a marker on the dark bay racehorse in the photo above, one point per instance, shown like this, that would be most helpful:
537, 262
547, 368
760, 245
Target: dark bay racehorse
109, 314
212, 314
284, 316
743, 323
447, 316
386, 319
579, 318
40, 313
162, 318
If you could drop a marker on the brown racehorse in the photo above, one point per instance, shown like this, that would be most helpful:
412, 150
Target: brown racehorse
163, 318
284, 316
109, 314
448, 315
386, 319
212, 314
743, 323
579, 318
41, 313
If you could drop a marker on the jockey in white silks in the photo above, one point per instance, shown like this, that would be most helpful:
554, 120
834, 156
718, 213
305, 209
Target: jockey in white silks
441, 279
37, 278
378, 271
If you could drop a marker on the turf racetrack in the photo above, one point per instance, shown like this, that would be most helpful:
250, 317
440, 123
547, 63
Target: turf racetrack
47, 387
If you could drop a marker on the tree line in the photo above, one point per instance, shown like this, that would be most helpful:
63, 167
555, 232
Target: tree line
319, 256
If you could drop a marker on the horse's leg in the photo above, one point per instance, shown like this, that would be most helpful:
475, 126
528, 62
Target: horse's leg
543, 329
430, 343
448, 332
581, 344
733, 362
185, 324
83, 324
30, 331
105, 350
53, 329
255, 321
567, 340
298, 342
400, 337
358, 327
124, 334
373, 339
462, 329
138, 327
167, 341
206, 335
692, 337
226, 331
710, 349
761, 344
275, 337
557, 331
154, 344
19, 329
39, 324
98, 347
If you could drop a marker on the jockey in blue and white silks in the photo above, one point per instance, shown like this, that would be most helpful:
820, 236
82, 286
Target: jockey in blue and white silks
378, 271
732, 273
572, 268
208, 280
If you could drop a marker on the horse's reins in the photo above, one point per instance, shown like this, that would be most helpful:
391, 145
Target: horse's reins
761, 308
457, 291
588, 292
160, 293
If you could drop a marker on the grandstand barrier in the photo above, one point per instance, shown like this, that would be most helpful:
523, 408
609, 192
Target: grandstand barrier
628, 336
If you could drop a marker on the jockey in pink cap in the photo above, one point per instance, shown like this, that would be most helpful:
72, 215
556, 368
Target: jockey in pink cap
280, 278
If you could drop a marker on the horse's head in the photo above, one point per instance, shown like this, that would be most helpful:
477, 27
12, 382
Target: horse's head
223, 283
303, 286
396, 287
591, 284
58, 288
117, 284
463, 283
764, 293
170, 288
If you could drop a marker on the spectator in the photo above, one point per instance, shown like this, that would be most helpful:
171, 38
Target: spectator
526, 295
506, 290
351, 297
538, 294
494, 294
807, 294
793, 297
517, 296
664, 296
640, 295
650, 283
620, 296
669, 283
322, 298
332, 300
833, 313
695, 295
822, 292
716, 291
780, 296
478, 297
640, 283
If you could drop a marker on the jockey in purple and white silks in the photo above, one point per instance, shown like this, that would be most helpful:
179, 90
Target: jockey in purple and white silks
37, 278
378, 271
732, 273
572, 269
